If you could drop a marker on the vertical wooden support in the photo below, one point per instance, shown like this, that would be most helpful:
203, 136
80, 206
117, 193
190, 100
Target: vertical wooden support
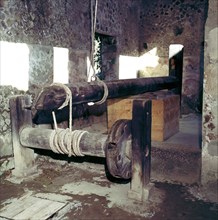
141, 150
20, 118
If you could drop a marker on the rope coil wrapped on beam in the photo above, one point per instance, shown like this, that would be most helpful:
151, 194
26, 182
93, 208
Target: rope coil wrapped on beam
64, 141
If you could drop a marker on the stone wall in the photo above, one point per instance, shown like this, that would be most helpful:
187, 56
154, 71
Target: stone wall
43, 25
40, 67
47, 23
137, 26
210, 104
166, 22
68, 24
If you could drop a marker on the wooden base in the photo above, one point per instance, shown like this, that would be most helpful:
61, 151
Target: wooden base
165, 112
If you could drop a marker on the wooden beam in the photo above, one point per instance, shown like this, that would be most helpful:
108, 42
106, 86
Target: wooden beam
91, 144
52, 97
141, 150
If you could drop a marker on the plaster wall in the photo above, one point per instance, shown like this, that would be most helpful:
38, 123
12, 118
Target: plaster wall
210, 104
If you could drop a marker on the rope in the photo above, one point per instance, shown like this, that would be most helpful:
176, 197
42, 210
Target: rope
103, 99
51, 142
54, 119
66, 141
63, 141
68, 101
94, 76
93, 27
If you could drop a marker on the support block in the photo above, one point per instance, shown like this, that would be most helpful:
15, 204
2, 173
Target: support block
165, 113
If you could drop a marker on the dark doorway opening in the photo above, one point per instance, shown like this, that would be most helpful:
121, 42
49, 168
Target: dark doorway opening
105, 57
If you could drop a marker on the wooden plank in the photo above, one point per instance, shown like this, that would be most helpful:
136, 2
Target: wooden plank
48, 211
17, 207
31, 208
119, 109
42, 209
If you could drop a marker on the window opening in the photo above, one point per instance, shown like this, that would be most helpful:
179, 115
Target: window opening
14, 65
175, 59
176, 64
60, 65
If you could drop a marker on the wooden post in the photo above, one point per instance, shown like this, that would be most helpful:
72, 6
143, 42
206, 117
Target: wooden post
20, 118
141, 150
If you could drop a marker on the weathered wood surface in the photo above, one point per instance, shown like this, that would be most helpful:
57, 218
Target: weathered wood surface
21, 117
52, 97
78, 111
92, 144
31, 208
165, 112
141, 150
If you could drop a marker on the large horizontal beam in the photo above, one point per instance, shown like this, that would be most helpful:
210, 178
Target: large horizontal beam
52, 97
78, 111
91, 144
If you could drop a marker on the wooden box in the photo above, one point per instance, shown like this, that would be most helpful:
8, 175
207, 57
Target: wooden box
165, 113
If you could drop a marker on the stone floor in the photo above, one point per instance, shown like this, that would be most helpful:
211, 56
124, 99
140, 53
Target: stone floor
81, 188
189, 135
178, 159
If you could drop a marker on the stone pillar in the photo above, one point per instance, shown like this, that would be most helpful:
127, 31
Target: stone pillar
40, 66
210, 105
20, 118
77, 65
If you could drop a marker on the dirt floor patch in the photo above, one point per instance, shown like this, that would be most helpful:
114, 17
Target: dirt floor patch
88, 194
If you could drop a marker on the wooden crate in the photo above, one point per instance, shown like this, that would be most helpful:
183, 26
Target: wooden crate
165, 113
